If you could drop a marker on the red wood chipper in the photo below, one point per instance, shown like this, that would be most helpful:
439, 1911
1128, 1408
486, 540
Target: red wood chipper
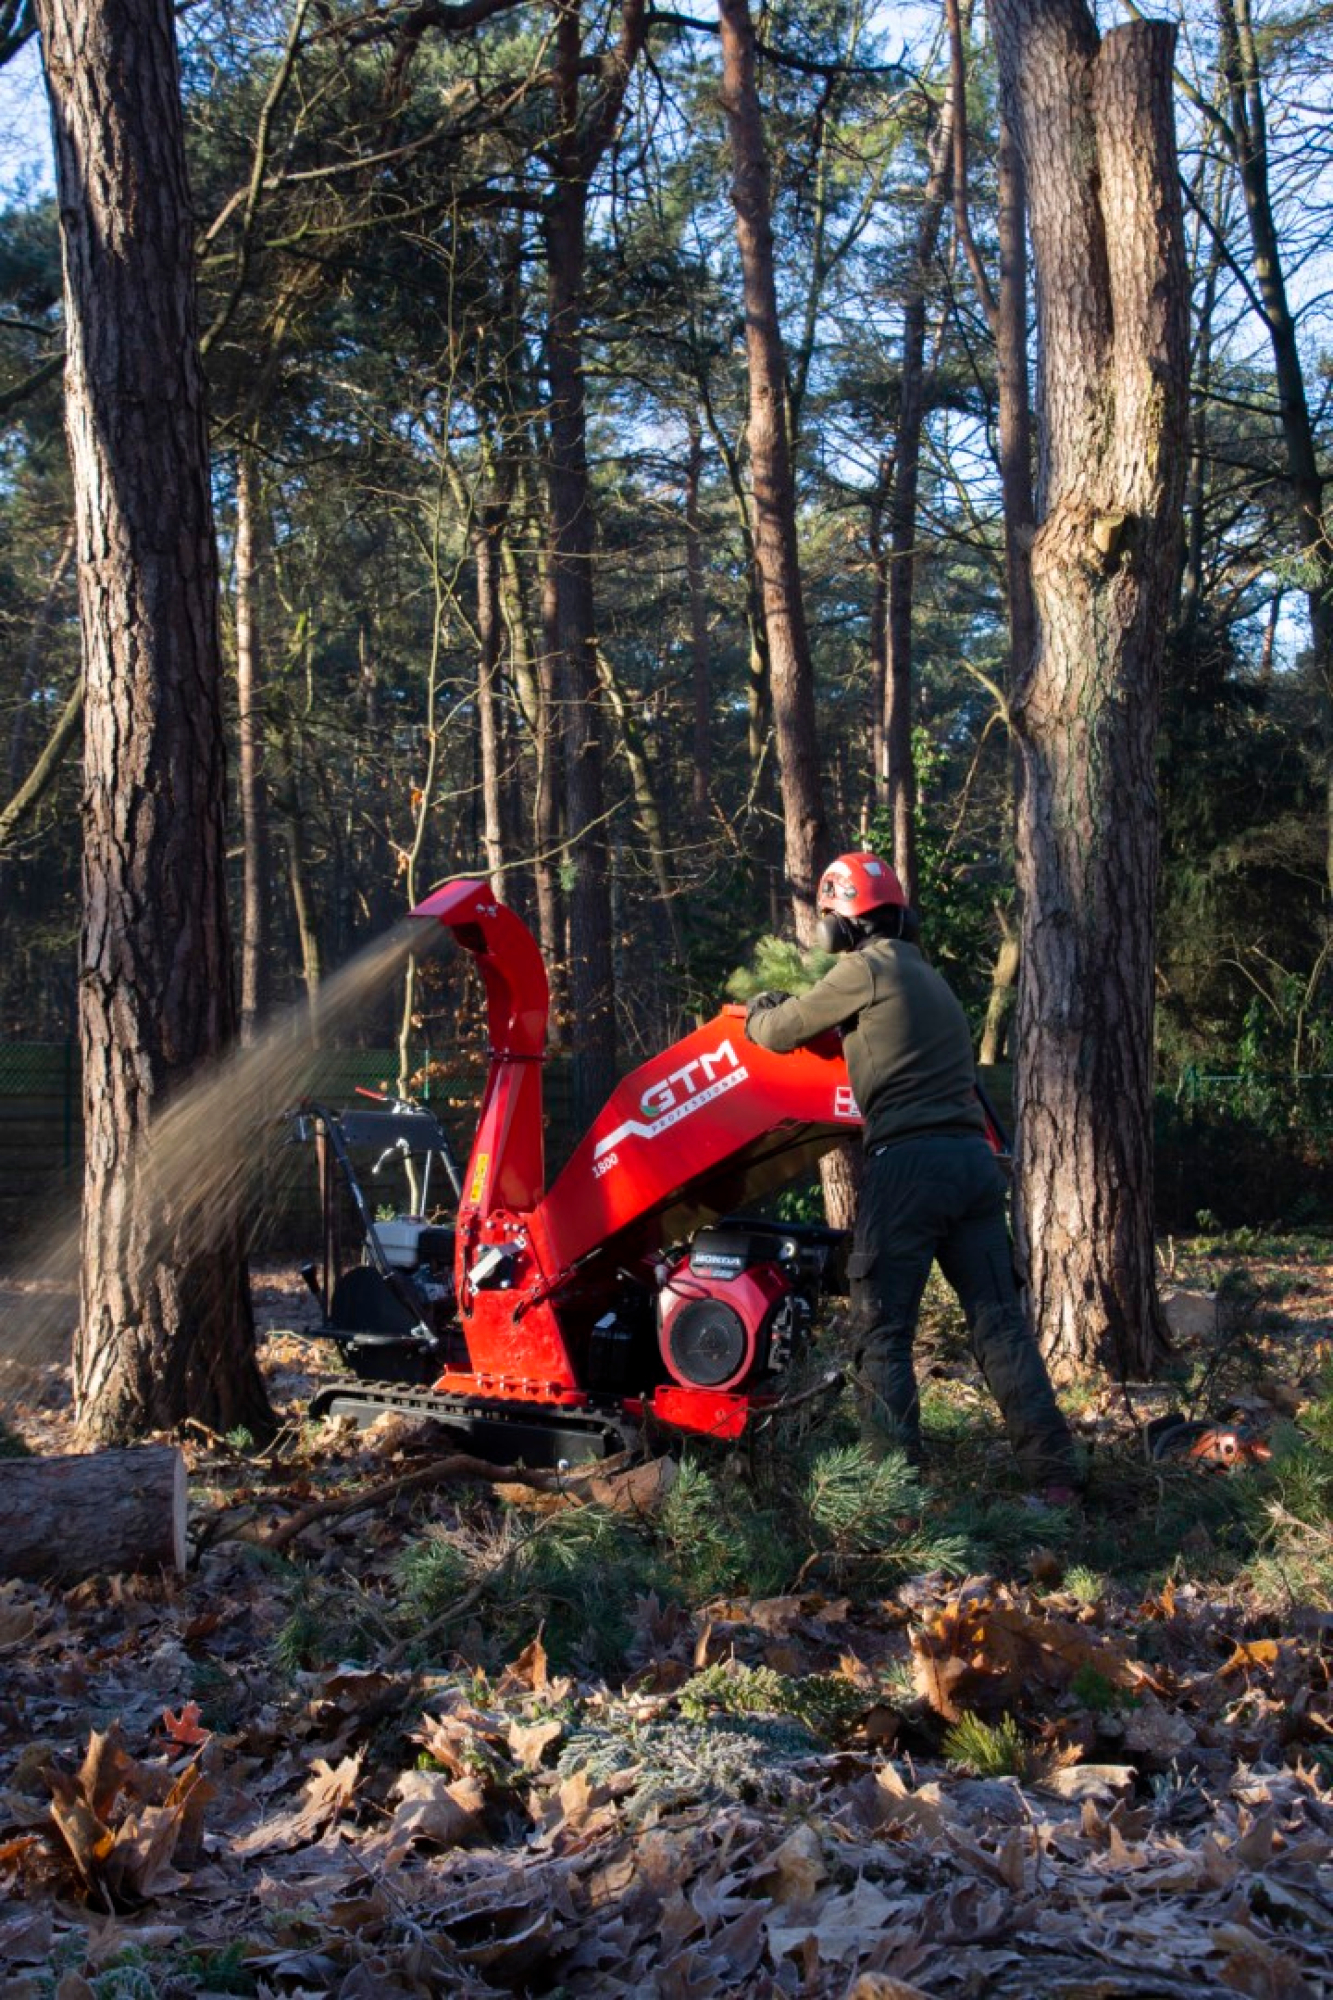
549, 1324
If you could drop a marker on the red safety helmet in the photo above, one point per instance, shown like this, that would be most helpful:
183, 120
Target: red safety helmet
850, 889
855, 884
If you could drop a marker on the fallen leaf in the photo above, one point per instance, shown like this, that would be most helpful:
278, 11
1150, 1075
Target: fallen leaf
531, 1740
444, 1812
799, 1865
328, 1793
529, 1670
184, 1728
1255, 1846
1250, 1654
925, 1810
18, 1621
1102, 1782
25, 1939
1158, 1732
983, 1652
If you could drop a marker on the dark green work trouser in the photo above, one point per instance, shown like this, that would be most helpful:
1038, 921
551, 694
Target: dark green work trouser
943, 1198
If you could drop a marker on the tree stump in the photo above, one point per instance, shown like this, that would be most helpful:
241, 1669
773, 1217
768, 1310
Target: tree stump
92, 1515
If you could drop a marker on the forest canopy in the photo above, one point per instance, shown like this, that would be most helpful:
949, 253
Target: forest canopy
373, 196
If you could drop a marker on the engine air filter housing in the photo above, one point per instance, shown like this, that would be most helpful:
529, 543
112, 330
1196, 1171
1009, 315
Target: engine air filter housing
708, 1343
715, 1330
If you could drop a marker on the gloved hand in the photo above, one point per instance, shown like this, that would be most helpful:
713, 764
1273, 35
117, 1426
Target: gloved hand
761, 1004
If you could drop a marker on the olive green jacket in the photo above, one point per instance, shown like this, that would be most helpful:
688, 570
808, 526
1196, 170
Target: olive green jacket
905, 1037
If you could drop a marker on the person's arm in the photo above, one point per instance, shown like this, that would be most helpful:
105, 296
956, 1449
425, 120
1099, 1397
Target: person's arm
839, 997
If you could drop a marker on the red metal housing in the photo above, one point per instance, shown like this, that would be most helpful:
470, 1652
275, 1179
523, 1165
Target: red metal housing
711, 1123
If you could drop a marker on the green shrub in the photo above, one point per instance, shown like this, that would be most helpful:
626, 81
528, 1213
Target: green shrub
825, 1704
984, 1749
431, 1574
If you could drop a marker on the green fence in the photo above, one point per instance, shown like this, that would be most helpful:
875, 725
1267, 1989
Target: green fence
41, 1132
1253, 1148
1241, 1149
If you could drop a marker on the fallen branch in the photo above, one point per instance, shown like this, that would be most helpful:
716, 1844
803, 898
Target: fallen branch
440, 1470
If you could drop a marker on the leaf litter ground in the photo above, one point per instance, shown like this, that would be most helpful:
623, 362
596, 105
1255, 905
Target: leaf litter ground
798, 1725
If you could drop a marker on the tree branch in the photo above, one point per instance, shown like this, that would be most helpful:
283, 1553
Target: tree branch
42, 774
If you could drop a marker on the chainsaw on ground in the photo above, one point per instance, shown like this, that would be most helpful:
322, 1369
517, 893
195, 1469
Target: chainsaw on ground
636, 1292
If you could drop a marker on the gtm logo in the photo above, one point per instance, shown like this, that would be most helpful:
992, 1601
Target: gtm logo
676, 1096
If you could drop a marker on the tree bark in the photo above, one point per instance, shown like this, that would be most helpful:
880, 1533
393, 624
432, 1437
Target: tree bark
1004, 983
250, 744
1011, 367
292, 810
1094, 124
791, 672
534, 682
878, 791
1248, 133
166, 1327
701, 678
1006, 310
95, 1515
553, 927
791, 677
579, 143
486, 534
44, 771
34, 660
903, 495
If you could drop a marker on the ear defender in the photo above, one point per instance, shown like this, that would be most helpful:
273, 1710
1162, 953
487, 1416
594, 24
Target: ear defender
837, 933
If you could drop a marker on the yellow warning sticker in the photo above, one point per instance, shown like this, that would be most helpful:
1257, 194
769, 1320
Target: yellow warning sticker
479, 1177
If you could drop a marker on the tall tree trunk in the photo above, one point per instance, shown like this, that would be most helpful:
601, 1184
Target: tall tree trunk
250, 739
1011, 366
1196, 478
1094, 123
878, 790
552, 914
645, 796
1249, 139
791, 671
292, 810
34, 660
903, 503
1004, 982
579, 144
1005, 305
166, 1333
490, 634
701, 678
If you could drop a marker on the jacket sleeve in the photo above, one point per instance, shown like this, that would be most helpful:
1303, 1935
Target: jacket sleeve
838, 998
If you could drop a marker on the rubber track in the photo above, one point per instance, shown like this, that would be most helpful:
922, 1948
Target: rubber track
601, 1433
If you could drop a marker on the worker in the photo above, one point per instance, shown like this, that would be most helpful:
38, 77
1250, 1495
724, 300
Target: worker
933, 1190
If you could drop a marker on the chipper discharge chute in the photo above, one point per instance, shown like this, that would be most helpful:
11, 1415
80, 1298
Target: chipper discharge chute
549, 1324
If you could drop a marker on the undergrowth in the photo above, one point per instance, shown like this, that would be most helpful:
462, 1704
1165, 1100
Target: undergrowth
813, 1512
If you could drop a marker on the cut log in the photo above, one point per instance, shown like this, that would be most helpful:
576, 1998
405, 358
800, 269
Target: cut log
64, 1519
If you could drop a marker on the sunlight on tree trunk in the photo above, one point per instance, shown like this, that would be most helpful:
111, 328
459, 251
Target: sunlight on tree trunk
162, 1338
1093, 119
